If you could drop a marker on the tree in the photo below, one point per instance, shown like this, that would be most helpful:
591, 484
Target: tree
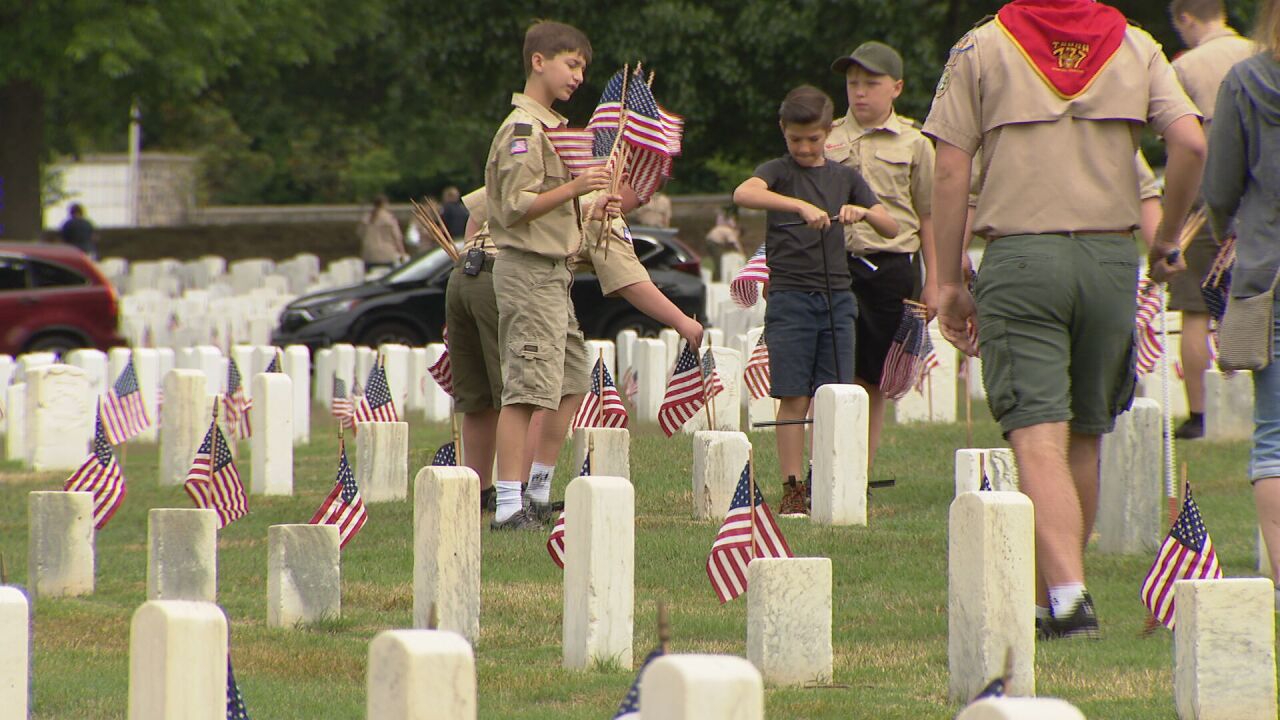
74, 68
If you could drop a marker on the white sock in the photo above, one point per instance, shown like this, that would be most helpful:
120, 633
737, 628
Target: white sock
1063, 598
540, 482
509, 502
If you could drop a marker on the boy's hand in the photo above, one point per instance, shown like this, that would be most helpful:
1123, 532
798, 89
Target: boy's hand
850, 214
596, 178
691, 331
606, 206
813, 217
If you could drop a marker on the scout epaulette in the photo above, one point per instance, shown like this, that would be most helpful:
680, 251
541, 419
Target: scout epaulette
1067, 44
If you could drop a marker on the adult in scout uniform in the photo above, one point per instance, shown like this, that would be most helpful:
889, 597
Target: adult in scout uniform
896, 160
1215, 47
1053, 92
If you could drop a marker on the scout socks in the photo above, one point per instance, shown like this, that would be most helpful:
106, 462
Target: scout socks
540, 482
1063, 598
509, 502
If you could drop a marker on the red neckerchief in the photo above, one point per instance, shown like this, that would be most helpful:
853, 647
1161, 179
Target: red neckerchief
1067, 42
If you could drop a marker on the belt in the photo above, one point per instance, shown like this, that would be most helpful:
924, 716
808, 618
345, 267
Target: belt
487, 266
1073, 234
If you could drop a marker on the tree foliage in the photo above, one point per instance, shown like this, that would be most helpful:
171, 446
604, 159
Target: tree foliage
323, 101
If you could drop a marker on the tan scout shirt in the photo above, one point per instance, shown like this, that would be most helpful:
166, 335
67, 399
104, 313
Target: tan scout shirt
477, 203
896, 160
1053, 164
522, 165
1148, 184
1201, 69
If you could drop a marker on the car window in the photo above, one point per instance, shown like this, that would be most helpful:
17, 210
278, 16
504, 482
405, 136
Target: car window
49, 275
421, 268
646, 247
13, 273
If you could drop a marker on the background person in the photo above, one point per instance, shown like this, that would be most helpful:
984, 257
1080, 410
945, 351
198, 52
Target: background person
79, 232
381, 242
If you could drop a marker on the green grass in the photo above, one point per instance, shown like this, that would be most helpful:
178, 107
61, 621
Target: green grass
890, 585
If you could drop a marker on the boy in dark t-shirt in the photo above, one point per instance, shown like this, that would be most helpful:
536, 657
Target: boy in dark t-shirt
809, 296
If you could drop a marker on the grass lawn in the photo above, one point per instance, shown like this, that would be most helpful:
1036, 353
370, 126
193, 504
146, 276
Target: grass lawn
890, 593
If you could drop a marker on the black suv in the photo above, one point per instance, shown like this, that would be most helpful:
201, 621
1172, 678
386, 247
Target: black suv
407, 305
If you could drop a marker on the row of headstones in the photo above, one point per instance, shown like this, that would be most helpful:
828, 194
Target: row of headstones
296, 275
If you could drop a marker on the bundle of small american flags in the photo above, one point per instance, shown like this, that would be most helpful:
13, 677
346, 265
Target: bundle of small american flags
1186, 554
692, 383
742, 539
124, 415
911, 346
756, 373
602, 406
653, 134
745, 288
100, 474
1147, 345
213, 481
343, 507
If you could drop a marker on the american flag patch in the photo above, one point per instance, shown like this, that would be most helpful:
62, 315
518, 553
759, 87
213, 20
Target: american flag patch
519, 147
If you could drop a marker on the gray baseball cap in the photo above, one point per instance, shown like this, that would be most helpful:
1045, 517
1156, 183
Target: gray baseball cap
875, 57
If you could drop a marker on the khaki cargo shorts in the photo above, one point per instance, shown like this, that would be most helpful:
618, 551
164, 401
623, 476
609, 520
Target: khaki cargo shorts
1056, 329
544, 356
471, 313
1184, 288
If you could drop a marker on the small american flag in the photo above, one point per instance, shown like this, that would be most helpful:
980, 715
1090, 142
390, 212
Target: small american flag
442, 370
344, 506
630, 385
686, 393
375, 405
213, 481
711, 384
927, 365
630, 707
447, 455
904, 363
274, 365
100, 474
1147, 346
1186, 554
124, 415
745, 288
235, 701
342, 408
235, 405
756, 373
734, 548
576, 148
555, 543
602, 406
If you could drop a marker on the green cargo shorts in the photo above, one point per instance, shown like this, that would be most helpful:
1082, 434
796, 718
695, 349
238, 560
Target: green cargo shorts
544, 356
471, 314
1056, 329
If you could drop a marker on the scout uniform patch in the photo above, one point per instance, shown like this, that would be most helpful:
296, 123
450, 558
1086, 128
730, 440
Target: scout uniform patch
1066, 45
519, 147
963, 45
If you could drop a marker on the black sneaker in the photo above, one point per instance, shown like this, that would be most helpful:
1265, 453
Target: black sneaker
522, 520
1191, 429
543, 512
489, 499
1082, 622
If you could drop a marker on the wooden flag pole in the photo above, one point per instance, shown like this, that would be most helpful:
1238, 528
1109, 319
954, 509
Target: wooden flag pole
455, 435
711, 346
664, 626
591, 453
751, 498
600, 397
213, 440
706, 402
968, 403
617, 153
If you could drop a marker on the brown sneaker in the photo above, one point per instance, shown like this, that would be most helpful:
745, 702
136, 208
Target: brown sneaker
794, 502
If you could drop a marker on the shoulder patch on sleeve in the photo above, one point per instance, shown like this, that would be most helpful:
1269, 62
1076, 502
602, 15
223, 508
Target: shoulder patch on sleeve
523, 130
519, 146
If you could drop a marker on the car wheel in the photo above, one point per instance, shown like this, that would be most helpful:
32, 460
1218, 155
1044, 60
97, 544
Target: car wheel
644, 326
60, 343
392, 331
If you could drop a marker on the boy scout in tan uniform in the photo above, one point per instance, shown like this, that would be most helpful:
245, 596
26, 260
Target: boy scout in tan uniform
1054, 105
896, 160
1215, 47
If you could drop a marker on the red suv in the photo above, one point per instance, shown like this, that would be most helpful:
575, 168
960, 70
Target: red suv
52, 297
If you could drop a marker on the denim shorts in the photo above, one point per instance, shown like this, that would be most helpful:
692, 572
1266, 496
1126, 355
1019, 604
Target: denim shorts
1264, 459
797, 328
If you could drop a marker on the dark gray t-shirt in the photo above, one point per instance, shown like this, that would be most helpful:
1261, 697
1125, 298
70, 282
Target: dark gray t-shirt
794, 254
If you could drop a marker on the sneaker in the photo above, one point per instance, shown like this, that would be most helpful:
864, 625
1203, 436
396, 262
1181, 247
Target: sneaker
794, 502
543, 512
489, 499
1082, 622
522, 520
1191, 429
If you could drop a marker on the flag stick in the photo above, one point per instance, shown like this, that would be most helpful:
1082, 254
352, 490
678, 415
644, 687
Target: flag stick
618, 152
600, 397
664, 626
4, 572
213, 440
1169, 490
928, 388
711, 400
453, 431
706, 402
591, 452
751, 498
968, 403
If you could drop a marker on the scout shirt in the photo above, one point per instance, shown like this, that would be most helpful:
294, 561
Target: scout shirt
1201, 69
896, 160
1053, 164
477, 203
522, 165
